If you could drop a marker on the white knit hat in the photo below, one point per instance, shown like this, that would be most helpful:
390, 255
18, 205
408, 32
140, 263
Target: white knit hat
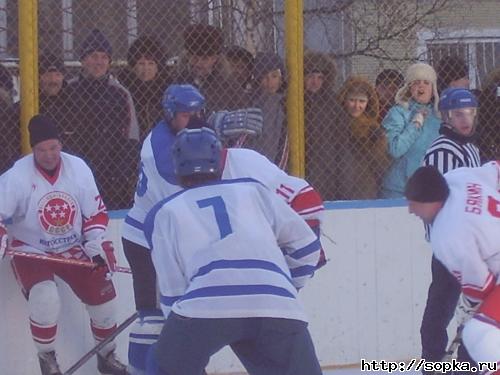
418, 71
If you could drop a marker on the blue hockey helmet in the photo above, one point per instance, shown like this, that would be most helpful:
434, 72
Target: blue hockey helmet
182, 98
197, 151
455, 98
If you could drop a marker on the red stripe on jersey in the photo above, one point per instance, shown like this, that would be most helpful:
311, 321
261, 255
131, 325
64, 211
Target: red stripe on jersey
491, 305
307, 199
283, 194
289, 189
101, 219
43, 334
223, 157
50, 178
478, 292
101, 333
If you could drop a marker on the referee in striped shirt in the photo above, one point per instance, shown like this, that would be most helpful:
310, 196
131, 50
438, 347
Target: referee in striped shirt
452, 149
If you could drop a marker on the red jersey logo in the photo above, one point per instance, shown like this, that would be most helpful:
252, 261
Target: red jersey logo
56, 212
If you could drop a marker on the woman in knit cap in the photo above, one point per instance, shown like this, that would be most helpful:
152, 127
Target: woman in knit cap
268, 95
146, 79
360, 111
410, 127
327, 152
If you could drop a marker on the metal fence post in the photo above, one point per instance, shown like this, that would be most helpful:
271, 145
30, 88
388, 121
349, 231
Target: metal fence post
28, 65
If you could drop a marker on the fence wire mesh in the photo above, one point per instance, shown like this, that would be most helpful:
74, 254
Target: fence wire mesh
104, 66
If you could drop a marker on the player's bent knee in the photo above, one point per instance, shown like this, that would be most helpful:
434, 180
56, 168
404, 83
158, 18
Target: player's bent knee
143, 334
44, 302
103, 315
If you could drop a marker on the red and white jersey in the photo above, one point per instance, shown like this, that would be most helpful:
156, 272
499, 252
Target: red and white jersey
465, 235
51, 213
156, 185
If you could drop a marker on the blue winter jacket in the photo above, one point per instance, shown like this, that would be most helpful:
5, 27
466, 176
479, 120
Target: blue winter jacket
407, 144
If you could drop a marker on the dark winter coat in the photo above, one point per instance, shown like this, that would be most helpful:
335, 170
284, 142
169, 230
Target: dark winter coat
97, 126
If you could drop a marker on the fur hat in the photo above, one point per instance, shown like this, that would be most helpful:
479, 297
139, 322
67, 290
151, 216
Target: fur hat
42, 128
418, 71
317, 62
203, 40
356, 85
145, 46
427, 185
95, 41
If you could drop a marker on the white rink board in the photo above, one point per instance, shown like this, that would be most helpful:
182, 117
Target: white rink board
366, 303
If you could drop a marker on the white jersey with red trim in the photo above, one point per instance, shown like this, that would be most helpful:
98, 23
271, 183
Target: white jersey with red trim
157, 182
465, 235
51, 213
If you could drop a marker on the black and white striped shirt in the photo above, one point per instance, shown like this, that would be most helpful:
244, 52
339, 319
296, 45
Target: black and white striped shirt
446, 154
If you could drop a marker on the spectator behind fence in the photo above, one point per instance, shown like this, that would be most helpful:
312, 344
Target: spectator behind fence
100, 125
328, 156
146, 78
52, 81
489, 115
452, 71
387, 84
241, 65
410, 127
268, 95
207, 68
9, 122
359, 113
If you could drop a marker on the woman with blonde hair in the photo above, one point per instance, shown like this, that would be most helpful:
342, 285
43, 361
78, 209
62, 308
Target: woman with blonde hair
410, 127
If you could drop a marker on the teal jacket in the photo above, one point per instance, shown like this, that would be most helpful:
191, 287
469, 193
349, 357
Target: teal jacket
407, 144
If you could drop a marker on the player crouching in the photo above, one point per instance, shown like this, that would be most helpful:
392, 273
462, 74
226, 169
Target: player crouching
230, 256
56, 210
463, 209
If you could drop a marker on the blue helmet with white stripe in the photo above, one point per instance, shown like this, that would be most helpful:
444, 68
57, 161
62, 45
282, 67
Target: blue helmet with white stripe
197, 152
182, 98
456, 98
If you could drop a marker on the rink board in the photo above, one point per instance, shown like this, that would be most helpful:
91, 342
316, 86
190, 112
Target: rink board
367, 302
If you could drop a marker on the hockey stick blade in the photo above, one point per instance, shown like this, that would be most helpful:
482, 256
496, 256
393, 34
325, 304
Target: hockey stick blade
104, 342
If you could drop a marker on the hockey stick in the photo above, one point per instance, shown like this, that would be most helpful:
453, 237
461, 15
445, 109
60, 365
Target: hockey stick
104, 342
452, 347
454, 344
74, 262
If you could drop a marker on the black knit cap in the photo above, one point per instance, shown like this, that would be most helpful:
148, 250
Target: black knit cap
96, 41
42, 128
203, 40
427, 185
50, 63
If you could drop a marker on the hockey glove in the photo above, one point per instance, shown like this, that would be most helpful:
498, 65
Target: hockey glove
3, 240
102, 253
230, 125
465, 309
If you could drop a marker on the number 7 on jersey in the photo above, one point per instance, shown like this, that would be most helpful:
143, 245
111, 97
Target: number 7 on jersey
220, 211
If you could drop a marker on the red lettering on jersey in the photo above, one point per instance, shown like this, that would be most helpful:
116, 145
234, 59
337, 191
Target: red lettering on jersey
474, 198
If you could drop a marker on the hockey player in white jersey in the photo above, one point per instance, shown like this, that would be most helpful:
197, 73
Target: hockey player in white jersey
183, 105
464, 210
54, 208
230, 257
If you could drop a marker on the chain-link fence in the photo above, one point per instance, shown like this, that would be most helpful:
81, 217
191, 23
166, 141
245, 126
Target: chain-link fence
104, 66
